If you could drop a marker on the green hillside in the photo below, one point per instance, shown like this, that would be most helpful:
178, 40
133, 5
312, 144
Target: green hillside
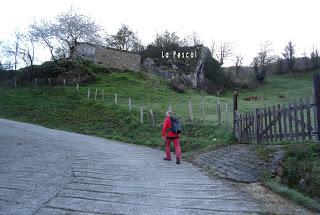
291, 86
63, 108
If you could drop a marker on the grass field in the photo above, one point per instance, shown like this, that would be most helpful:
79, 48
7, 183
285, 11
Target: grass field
152, 92
61, 107
292, 86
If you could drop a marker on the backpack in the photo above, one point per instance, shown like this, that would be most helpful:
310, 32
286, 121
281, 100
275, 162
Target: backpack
175, 125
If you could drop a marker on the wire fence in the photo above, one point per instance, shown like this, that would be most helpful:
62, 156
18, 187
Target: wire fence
198, 110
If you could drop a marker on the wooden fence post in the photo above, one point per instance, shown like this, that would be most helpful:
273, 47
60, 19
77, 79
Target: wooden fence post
129, 104
77, 87
15, 82
290, 108
190, 112
152, 117
309, 125
115, 98
88, 93
49, 80
236, 125
240, 123
64, 82
219, 112
36, 82
235, 113
302, 122
316, 88
296, 122
258, 125
202, 110
285, 127
227, 116
141, 115
279, 121
95, 95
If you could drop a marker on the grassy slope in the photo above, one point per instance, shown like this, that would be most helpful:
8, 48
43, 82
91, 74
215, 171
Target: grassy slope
292, 86
63, 108
151, 91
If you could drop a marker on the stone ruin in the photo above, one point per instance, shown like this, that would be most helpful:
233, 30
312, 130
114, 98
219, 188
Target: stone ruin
109, 57
125, 60
194, 79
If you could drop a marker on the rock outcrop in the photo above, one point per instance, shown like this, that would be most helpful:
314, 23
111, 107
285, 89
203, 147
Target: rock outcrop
183, 74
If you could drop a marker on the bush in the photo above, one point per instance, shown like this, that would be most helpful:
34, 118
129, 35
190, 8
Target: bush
301, 168
260, 74
215, 74
71, 70
89, 66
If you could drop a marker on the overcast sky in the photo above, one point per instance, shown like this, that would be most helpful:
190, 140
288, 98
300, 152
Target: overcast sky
246, 23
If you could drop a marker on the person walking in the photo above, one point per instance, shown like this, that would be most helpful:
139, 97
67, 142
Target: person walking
171, 132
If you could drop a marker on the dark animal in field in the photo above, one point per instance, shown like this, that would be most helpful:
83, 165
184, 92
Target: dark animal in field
251, 98
282, 96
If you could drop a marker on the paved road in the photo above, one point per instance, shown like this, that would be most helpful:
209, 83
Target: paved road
46, 171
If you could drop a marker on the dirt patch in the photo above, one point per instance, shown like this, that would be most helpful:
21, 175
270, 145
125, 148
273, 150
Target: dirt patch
272, 202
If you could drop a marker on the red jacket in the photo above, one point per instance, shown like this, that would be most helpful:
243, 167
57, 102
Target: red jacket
166, 126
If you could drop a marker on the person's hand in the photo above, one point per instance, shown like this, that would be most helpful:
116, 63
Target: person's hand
164, 139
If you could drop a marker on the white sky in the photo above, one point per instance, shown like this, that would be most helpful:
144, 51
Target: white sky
246, 23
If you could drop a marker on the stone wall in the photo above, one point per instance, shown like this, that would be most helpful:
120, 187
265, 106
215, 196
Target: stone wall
110, 58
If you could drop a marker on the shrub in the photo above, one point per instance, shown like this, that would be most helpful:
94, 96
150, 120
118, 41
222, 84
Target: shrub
215, 74
301, 168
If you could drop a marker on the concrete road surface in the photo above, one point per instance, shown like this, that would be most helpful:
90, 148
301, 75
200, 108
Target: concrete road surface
46, 171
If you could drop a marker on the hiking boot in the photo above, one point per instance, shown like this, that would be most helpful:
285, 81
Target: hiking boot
167, 159
178, 161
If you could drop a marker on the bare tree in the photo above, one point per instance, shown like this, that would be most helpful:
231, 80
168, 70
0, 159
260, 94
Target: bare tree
43, 32
12, 49
223, 51
21, 49
212, 48
124, 39
288, 55
315, 58
279, 65
72, 28
137, 47
238, 63
196, 41
192, 40
305, 60
26, 50
67, 30
263, 60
